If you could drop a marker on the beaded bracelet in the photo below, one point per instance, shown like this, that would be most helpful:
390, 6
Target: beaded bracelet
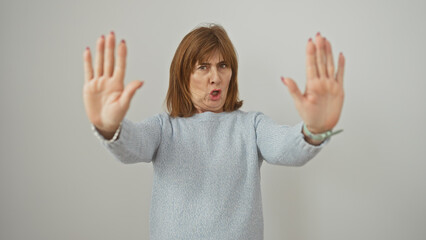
113, 139
320, 136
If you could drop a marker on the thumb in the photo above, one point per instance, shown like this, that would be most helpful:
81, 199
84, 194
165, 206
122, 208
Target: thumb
293, 89
129, 91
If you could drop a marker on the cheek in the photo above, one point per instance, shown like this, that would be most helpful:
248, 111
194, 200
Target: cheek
194, 81
227, 79
197, 86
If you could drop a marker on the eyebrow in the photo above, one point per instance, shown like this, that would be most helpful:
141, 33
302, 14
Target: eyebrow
210, 63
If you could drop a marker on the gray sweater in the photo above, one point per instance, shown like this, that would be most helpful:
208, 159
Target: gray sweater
207, 170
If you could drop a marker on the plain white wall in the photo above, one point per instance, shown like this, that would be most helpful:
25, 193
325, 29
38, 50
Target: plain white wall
58, 182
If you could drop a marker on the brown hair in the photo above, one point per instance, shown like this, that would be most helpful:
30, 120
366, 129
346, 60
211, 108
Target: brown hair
198, 45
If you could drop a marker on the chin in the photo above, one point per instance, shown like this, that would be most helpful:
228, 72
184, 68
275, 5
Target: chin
215, 109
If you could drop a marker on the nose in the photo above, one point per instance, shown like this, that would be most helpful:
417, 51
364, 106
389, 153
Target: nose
214, 76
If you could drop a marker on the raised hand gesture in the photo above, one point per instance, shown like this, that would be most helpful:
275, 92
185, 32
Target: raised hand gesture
321, 104
105, 98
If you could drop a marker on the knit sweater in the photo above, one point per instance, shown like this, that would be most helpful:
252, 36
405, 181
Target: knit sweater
207, 170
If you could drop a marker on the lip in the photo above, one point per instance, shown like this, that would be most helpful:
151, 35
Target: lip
217, 97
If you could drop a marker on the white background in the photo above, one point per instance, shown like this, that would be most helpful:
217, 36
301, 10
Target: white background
58, 182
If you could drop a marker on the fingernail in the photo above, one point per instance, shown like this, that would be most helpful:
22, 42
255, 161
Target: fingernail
112, 32
87, 48
102, 36
283, 80
310, 40
318, 33
123, 41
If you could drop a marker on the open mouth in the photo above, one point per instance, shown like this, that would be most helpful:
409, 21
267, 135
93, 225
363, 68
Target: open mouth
215, 92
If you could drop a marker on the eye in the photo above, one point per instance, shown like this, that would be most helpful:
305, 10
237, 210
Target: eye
202, 67
223, 65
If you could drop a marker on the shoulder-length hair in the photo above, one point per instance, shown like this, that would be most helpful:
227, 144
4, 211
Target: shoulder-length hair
198, 45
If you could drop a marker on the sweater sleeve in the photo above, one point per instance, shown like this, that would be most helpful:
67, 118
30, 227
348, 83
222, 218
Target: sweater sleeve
137, 142
283, 145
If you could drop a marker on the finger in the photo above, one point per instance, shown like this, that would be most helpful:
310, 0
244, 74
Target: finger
320, 47
99, 62
88, 69
330, 61
109, 55
341, 68
120, 67
293, 89
129, 91
311, 62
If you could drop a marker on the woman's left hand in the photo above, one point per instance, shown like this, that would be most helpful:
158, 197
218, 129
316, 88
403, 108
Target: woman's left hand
321, 104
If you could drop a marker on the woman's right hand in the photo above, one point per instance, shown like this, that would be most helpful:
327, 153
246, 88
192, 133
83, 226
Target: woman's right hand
105, 98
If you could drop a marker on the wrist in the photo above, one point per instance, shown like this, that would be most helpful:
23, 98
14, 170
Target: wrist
310, 140
106, 129
316, 138
110, 136
314, 130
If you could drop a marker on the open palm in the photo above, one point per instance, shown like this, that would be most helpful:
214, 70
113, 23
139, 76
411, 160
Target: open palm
105, 98
321, 104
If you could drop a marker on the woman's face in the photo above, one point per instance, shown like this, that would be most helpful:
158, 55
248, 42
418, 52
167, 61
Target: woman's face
209, 83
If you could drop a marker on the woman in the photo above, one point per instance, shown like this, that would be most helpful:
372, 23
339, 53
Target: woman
207, 154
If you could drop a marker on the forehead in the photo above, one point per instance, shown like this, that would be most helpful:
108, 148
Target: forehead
213, 57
